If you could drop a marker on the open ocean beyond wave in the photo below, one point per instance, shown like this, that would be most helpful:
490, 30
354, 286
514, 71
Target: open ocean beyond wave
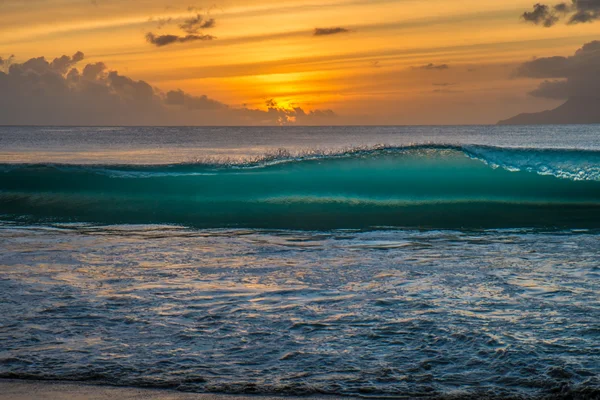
384, 261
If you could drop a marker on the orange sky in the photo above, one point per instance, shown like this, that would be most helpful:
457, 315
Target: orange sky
266, 49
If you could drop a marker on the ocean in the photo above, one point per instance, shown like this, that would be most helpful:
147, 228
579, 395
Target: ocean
430, 262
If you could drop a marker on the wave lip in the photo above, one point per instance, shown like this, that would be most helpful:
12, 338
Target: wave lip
562, 163
426, 186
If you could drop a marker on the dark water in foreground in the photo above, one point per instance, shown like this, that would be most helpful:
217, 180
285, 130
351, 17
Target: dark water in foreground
373, 313
460, 267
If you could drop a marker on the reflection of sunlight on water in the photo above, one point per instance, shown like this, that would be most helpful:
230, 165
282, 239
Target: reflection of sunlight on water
337, 312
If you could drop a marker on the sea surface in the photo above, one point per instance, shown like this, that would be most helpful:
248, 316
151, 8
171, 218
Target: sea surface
429, 262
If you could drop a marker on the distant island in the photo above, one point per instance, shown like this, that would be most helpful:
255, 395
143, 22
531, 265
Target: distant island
577, 110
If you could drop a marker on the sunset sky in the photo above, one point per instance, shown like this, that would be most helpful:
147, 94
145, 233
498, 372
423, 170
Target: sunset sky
368, 61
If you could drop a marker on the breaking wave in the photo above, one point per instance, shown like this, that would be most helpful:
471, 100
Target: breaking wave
425, 186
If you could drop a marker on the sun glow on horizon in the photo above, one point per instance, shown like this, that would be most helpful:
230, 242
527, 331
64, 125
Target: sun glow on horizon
366, 58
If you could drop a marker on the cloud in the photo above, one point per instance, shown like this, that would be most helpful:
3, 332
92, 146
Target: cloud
180, 98
194, 24
585, 11
5, 62
191, 27
42, 92
575, 12
446, 91
329, 31
165, 40
285, 116
566, 77
541, 15
162, 22
62, 64
93, 71
562, 8
129, 89
431, 66
40, 66
444, 84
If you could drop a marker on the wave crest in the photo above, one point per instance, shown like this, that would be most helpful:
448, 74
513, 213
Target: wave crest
578, 165
415, 186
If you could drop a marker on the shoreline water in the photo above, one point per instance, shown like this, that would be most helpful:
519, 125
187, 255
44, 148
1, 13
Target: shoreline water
15, 389
419, 313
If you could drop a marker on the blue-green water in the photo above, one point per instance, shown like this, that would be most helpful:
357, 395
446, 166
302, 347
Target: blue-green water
414, 187
447, 262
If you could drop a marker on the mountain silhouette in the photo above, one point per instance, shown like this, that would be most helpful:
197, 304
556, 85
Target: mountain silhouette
577, 110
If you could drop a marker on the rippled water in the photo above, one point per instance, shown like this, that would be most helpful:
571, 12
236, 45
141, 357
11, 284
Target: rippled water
167, 145
392, 312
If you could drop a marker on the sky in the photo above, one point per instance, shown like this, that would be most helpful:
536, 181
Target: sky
257, 62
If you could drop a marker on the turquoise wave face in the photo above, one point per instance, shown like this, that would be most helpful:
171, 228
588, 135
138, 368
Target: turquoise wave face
418, 187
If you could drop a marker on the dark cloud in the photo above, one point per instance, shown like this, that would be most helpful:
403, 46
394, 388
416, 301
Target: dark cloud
165, 40
5, 62
585, 11
41, 92
195, 24
541, 15
285, 116
329, 31
126, 88
93, 71
62, 64
40, 66
447, 91
431, 66
566, 77
444, 84
191, 26
546, 67
209, 23
180, 98
162, 22
575, 12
